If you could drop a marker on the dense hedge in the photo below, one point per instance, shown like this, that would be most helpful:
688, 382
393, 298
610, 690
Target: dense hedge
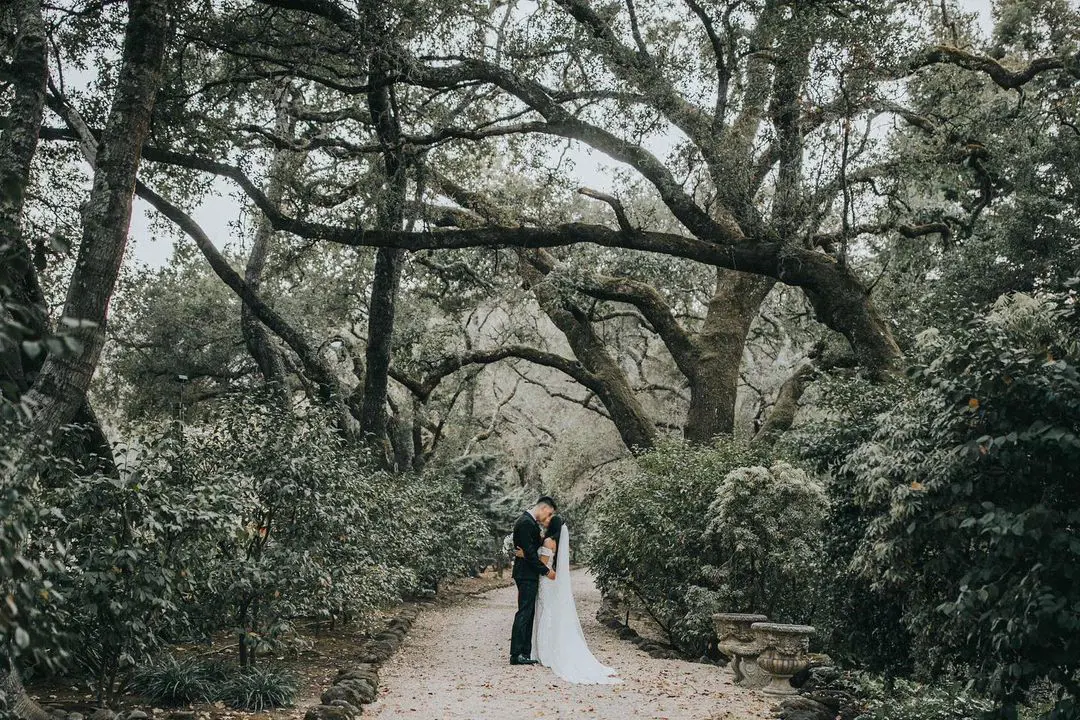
247, 521
973, 484
697, 530
938, 536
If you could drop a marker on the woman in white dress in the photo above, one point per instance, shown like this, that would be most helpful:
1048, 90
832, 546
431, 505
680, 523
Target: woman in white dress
558, 642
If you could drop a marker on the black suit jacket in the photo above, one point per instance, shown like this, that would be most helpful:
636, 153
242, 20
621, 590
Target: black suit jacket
527, 537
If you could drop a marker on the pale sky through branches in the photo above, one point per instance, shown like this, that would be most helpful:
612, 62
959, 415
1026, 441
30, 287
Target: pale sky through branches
151, 248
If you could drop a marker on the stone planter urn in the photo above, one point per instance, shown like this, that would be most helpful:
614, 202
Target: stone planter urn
736, 639
783, 653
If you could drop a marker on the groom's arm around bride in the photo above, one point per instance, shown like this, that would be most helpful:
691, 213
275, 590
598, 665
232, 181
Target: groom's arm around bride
527, 537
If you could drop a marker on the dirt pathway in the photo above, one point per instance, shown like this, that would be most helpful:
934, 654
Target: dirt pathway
454, 666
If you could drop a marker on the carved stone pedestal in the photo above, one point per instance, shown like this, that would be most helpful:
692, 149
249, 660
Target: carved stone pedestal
783, 653
738, 641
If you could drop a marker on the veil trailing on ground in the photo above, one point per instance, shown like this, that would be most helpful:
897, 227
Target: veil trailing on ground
560, 643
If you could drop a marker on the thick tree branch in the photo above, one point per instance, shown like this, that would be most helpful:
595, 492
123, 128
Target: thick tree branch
442, 368
639, 69
614, 202
1001, 75
60, 388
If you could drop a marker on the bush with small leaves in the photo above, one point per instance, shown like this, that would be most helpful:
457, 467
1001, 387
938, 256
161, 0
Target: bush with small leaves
858, 622
973, 485
139, 545
765, 528
648, 538
31, 610
905, 700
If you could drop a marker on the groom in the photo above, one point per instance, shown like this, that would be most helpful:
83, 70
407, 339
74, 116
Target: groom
527, 572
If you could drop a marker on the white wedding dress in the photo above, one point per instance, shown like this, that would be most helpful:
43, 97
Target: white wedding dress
558, 642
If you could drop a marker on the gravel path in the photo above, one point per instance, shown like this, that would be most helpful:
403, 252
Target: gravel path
454, 665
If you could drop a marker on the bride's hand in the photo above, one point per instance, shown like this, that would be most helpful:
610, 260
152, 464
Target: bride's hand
518, 552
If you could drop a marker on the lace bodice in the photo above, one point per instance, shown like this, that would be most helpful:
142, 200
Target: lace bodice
545, 552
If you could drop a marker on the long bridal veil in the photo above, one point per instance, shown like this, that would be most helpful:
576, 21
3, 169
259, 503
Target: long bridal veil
560, 642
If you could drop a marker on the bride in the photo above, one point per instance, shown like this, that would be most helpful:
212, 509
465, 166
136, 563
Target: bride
558, 642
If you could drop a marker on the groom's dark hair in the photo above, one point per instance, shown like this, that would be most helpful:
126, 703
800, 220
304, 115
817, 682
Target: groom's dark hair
546, 500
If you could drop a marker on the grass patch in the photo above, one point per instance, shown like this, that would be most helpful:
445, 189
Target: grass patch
172, 682
259, 688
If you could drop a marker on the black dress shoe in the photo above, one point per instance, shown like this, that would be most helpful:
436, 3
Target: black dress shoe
522, 660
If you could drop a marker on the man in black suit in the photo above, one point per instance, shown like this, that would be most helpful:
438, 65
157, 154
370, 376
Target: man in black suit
526, 574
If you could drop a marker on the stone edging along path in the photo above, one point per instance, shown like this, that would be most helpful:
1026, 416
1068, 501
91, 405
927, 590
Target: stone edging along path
357, 684
609, 616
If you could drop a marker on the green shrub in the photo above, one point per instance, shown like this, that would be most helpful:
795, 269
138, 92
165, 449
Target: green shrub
139, 544
322, 532
904, 700
858, 622
173, 682
255, 516
32, 620
973, 485
648, 537
765, 528
259, 688
427, 530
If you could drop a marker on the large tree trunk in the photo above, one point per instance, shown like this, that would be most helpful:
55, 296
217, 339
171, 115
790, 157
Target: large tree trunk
613, 390
388, 266
19, 287
720, 344
782, 416
256, 337
61, 386
842, 302
19, 283
382, 308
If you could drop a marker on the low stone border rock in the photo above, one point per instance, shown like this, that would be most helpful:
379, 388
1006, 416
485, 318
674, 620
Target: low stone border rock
357, 684
56, 712
820, 696
609, 615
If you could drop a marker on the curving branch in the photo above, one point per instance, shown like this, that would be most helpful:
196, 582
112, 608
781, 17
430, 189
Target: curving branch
614, 202
330, 390
1001, 75
442, 368
720, 51
638, 68
684, 348
561, 122
911, 232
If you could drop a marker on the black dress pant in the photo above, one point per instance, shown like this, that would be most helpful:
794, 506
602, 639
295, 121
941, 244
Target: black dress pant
521, 637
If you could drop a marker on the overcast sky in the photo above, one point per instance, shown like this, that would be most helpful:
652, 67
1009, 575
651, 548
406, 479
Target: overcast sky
217, 212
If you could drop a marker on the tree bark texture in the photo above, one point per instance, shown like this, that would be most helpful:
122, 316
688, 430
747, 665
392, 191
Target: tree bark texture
612, 386
19, 287
388, 266
256, 338
719, 352
61, 386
